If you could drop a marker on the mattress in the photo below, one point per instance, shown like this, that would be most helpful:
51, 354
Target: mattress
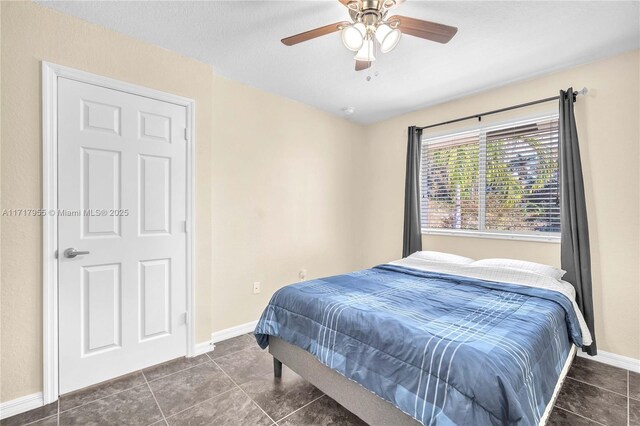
441, 347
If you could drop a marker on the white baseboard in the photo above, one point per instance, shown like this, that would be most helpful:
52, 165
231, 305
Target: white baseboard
203, 348
20, 405
236, 331
615, 360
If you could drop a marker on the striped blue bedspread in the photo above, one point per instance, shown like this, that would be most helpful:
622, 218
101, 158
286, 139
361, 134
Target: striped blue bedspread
444, 349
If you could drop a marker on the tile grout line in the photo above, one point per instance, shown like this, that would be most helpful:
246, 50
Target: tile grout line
305, 405
171, 374
579, 415
59, 411
31, 422
596, 386
201, 402
226, 355
57, 415
99, 399
132, 387
242, 390
155, 399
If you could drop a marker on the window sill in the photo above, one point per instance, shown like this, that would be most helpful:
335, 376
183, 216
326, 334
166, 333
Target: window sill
494, 235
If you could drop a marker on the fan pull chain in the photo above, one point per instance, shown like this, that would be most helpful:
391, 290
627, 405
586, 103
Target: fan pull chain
373, 63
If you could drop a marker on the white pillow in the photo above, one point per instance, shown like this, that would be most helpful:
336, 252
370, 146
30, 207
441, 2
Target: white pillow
523, 265
436, 256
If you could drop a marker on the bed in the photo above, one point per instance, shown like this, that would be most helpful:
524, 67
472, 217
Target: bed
425, 342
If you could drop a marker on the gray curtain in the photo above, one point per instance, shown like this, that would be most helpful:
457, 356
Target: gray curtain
575, 253
412, 239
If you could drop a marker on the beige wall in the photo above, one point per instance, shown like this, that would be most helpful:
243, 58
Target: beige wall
31, 34
609, 131
254, 152
282, 197
282, 187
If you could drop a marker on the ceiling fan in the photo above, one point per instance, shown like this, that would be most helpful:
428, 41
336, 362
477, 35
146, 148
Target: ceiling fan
371, 27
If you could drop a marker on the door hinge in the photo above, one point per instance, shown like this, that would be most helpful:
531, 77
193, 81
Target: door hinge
186, 134
186, 318
185, 226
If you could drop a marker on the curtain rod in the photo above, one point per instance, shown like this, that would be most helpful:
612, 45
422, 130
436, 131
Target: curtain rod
583, 91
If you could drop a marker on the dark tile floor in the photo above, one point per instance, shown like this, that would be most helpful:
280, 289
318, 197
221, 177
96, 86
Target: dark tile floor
594, 393
234, 385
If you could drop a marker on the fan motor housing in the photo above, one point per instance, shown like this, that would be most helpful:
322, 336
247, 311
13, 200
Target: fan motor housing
369, 12
370, 17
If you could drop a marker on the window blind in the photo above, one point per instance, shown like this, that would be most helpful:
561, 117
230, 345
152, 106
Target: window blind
449, 182
501, 179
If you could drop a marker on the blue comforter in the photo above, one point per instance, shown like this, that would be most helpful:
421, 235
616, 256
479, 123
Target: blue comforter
444, 349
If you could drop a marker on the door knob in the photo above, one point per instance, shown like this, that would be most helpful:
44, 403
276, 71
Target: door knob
71, 253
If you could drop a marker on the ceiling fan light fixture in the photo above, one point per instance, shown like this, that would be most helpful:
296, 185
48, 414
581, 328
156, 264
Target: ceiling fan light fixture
353, 36
370, 26
387, 37
366, 52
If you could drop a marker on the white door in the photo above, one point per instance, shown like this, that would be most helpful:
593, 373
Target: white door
121, 196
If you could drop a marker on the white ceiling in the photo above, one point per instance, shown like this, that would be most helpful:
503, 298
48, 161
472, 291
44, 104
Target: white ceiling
497, 42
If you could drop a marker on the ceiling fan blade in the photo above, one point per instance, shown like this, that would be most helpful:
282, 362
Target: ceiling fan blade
362, 65
311, 34
424, 29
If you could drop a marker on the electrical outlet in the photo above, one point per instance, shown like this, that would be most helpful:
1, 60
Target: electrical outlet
302, 274
256, 287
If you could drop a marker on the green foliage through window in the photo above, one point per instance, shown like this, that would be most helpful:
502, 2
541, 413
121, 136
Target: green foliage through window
503, 179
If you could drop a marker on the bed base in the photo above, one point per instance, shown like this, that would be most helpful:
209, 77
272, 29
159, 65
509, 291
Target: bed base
351, 395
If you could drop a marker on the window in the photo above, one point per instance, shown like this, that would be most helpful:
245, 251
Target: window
499, 181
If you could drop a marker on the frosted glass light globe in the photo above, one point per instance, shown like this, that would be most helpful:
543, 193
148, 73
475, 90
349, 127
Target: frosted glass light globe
353, 36
366, 53
387, 37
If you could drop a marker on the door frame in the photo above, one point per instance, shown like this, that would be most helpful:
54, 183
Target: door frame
50, 74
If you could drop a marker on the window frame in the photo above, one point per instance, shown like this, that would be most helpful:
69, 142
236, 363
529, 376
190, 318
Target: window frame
482, 130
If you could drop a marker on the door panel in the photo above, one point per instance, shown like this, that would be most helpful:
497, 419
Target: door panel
101, 183
155, 195
122, 180
101, 308
155, 127
100, 117
155, 298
